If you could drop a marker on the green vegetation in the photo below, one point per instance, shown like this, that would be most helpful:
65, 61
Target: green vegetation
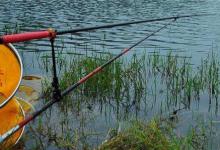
126, 84
11, 29
154, 136
118, 85
126, 87
139, 136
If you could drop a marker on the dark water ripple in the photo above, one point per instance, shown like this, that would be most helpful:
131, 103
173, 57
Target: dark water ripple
191, 35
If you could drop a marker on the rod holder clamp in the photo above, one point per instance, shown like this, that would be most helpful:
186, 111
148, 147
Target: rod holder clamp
55, 83
52, 33
56, 90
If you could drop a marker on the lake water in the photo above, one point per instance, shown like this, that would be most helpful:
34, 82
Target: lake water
194, 37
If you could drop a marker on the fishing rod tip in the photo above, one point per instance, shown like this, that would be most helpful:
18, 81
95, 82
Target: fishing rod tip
205, 14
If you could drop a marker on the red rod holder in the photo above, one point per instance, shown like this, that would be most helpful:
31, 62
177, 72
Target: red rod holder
21, 37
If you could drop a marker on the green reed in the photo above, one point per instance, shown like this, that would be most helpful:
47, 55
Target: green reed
155, 135
12, 29
127, 84
121, 84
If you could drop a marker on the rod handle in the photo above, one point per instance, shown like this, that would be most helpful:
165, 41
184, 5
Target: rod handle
27, 36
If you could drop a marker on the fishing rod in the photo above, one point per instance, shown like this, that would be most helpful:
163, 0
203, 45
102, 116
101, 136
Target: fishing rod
27, 36
71, 88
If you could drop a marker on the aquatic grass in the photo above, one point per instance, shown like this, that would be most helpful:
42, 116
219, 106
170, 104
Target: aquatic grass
182, 81
138, 136
155, 135
12, 29
124, 86
121, 84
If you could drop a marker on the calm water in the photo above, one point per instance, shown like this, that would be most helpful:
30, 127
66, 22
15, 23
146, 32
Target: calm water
194, 37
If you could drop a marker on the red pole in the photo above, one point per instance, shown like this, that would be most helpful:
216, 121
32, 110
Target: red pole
13, 38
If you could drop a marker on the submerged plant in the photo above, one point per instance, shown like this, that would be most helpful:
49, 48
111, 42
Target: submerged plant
155, 135
139, 136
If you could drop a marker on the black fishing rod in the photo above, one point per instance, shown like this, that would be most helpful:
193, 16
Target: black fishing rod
125, 24
21, 37
74, 86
